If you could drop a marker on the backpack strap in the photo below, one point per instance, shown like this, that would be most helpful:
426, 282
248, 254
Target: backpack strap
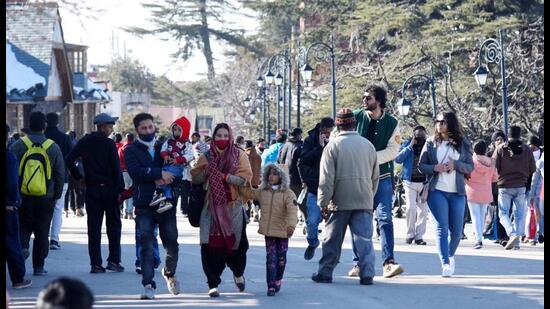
27, 142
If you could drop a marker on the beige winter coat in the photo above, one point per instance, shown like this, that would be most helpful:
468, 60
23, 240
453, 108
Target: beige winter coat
349, 172
279, 207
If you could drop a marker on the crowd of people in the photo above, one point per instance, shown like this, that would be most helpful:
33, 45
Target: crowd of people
343, 172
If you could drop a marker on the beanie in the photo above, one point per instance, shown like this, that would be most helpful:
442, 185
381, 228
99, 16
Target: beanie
345, 117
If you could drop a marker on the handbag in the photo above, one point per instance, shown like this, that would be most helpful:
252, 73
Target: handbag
426, 186
197, 195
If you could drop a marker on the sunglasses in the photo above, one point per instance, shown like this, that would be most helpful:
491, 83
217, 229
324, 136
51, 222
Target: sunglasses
440, 121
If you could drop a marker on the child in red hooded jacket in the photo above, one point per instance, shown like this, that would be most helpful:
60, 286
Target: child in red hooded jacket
177, 152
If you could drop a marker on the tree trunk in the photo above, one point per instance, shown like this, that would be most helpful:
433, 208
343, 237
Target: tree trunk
205, 36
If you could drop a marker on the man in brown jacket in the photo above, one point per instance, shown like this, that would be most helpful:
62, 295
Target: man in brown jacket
348, 180
256, 165
515, 163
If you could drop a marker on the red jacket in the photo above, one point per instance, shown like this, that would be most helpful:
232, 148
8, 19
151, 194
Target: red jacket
177, 145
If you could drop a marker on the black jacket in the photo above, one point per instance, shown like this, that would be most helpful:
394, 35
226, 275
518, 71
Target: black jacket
289, 155
144, 170
310, 160
100, 159
63, 141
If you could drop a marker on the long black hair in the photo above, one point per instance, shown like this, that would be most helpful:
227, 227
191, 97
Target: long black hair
454, 130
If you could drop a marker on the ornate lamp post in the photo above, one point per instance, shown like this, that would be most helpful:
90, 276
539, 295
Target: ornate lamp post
494, 52
322, 51
418, 83
281, 65
263, 80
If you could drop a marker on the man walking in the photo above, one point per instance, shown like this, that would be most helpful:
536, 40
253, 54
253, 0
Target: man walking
515, 163
308, 167
103, 184
64, 142
347, 182
37, 205
382, 130
413, 181
144, 164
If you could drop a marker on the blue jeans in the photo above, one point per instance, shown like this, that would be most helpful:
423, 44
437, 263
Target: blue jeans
14, 252
147, 218
507, 196
156, 255
383, 207
313, 220
360, 224
175, 169
448, 212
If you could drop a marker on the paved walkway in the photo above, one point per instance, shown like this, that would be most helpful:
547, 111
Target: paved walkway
488, 278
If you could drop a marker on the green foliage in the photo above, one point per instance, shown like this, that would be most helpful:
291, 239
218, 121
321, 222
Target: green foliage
129, 75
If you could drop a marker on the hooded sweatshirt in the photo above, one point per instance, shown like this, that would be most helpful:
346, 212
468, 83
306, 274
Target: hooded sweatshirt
515, 163
179, 148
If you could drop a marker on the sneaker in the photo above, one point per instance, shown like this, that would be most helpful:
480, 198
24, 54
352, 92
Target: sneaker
148, 292
40, 271
79, 212
164, 206
524, 239
213, 292
172, 283
512, 242
277, 286
463, 236
240, 283
54, 245
271, 292
446, 271
366, 281
533, 242
354, 272
310, 252
97, 269
391, 269
320, 278
138, 270
23, 284
478, 245
409, 240
541, 239
420, 242
116, 267
452, 264
157, 199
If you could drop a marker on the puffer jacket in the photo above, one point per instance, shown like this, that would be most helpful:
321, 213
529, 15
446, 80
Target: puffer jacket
478, 187
279, 208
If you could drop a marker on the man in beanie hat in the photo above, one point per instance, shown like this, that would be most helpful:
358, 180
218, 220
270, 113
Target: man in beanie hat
349, 169
104, 182
515, 163
382, 130
289, 155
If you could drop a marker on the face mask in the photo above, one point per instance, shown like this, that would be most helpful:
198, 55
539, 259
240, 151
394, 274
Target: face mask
221, 144
147, 137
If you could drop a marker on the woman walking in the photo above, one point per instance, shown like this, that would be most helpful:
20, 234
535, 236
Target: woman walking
445, 159
478, 189
278, 221
222, 224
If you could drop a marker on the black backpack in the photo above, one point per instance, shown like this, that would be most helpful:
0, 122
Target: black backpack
197, 196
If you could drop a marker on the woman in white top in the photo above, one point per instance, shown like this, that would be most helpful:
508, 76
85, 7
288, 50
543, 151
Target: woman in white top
445, 158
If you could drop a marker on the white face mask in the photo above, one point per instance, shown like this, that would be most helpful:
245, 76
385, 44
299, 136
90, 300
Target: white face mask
274, 187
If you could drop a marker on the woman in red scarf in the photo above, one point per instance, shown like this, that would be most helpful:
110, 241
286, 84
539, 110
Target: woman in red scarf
222, 224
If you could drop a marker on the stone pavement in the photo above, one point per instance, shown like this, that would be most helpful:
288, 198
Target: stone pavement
488, 278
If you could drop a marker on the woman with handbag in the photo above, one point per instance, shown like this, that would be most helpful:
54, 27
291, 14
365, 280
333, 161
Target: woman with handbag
445, 159
222, 222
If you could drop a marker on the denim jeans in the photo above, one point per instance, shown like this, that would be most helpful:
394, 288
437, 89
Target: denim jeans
129, 203
175, 169
448, 212
478, 211
507, 196
360, 224
313, 220
155, 246
57, 218
14, 252
147, 218
383, 207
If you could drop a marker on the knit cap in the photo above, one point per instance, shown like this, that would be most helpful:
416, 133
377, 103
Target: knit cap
345, 117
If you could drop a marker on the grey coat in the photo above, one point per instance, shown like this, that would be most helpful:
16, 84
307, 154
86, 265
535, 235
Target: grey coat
464, 164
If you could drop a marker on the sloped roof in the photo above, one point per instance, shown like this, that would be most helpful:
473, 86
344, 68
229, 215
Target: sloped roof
86, 89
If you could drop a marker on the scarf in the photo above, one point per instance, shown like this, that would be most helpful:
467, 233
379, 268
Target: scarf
150, 145
222, 236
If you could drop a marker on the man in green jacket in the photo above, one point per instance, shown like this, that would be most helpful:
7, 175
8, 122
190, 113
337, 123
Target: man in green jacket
382, 130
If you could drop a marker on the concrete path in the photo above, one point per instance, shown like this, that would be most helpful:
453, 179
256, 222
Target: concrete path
488, 278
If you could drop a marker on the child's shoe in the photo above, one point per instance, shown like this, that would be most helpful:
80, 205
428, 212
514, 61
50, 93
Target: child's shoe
157, 199
164, 206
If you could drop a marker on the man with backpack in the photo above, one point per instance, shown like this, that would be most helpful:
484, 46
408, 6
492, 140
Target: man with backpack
42, 175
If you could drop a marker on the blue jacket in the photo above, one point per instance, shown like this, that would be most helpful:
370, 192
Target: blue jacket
271, 154
143, 170
13, 197
464, 164
405, 157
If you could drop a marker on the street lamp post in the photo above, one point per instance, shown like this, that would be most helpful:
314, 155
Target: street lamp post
320, 54
494, 52
260, 84
263, 80
280, 63
418, 83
